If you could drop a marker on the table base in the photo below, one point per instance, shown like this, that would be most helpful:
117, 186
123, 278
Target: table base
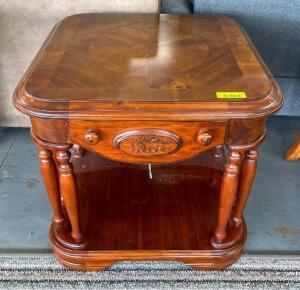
126, 215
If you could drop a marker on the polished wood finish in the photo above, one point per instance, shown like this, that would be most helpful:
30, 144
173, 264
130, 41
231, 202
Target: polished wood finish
227, 196
180, 139
246, 180
127, 215
293, 153
141, 93
49, 175
69, 191
204, 137
120, 67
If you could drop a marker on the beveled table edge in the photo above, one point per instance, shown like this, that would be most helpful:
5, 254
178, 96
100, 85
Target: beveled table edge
118, 110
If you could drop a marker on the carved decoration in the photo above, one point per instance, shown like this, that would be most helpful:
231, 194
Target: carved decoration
147, 142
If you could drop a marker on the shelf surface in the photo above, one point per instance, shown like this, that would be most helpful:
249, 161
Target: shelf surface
122, 208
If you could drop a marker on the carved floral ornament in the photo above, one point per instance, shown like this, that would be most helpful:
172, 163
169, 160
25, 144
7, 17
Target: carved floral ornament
148, 142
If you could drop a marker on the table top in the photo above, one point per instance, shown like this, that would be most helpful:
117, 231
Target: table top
139, 62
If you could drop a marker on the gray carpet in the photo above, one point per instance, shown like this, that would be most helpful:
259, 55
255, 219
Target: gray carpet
251, 272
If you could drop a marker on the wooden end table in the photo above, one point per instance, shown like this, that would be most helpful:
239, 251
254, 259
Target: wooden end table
147, 103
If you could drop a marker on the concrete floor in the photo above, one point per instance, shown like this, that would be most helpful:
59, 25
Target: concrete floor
272, 214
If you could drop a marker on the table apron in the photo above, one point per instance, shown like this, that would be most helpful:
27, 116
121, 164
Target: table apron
147, 142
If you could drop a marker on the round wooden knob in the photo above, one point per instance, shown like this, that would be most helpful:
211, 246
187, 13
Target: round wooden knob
92, 136
204, 138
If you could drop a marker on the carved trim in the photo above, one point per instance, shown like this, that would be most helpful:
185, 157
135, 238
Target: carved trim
147, 142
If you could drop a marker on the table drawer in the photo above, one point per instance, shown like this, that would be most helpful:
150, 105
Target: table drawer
147, 142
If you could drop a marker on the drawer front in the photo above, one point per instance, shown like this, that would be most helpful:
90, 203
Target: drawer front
146, 142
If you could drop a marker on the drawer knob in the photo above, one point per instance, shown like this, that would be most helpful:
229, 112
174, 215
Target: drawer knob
204, 138
92, 136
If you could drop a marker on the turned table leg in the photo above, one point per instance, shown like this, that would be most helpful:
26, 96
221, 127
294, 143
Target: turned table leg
69, 191
246, 180
218, 151
227, 195
48, 171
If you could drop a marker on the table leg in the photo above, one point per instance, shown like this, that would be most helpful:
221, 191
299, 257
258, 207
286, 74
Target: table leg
48, 171
246, 180
227, 194
218, 151
78, 152
69, 191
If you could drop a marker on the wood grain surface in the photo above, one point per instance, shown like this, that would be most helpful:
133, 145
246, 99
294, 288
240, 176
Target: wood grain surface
126, 66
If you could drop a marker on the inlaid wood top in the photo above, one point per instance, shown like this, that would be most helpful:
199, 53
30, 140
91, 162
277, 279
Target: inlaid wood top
106, 64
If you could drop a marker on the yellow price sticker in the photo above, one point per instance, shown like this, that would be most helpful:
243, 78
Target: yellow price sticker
231, 95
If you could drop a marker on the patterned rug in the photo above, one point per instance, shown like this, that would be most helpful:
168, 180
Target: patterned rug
251, 272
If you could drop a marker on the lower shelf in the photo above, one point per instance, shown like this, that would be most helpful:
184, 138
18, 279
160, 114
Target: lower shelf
127, 214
